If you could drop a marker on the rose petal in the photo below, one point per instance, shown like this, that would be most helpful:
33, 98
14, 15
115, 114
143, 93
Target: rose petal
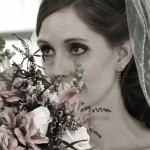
41, 119
78, 135
81, 134
63, 86
74, 104
68, 94
83, 118
68, 136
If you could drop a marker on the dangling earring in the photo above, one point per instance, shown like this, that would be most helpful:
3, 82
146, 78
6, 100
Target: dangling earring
119, 72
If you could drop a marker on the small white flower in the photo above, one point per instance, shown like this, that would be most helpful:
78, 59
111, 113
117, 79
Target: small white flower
53, 96
42, 119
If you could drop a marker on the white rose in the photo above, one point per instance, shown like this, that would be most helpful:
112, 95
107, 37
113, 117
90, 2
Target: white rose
78, 135
41, 119
81, 134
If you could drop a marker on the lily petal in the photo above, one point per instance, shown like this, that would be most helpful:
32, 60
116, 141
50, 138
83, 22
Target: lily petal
31, 129
39, 139
12, 99
12, 144
20, 136
9, 116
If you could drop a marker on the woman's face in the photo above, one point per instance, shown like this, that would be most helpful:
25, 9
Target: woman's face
64, 37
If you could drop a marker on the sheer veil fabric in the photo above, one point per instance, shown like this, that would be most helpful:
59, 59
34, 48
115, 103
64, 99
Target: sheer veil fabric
138, 15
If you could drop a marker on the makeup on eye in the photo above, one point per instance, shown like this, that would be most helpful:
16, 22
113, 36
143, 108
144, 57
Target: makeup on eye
47, 50
74, 49
78, 49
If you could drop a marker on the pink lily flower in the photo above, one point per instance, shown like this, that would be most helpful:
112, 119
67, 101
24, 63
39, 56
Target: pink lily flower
32, 136
9, 95
6, 140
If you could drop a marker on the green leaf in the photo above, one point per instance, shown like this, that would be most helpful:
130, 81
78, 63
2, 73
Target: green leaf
78, 80
12, 54
1, 59
2, 43
7, 52
1, 53
15, 109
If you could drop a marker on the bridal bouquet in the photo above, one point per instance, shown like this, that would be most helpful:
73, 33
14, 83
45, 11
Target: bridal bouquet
37, 113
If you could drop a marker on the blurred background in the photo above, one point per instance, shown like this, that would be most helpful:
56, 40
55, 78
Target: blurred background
17, 17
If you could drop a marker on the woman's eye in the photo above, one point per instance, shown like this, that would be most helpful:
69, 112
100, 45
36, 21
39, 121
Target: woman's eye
78, 49
47, 50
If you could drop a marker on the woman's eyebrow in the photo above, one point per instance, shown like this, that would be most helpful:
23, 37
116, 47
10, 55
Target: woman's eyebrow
75, 39
41, 41
66, 41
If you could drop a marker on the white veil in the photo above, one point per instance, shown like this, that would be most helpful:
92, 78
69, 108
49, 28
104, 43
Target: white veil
138, 15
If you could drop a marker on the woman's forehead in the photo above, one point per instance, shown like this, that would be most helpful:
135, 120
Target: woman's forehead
66, 24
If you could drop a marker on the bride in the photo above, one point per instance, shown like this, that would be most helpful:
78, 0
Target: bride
96, 33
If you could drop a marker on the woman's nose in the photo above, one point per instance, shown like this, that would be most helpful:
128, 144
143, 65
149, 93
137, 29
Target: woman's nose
63, 67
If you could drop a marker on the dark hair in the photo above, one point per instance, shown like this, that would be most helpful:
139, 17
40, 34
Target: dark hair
107, 17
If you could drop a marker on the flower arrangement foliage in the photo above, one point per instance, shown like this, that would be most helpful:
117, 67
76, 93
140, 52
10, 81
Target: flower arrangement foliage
40, 113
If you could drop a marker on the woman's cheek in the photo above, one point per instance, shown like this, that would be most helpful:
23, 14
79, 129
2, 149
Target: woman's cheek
47, 65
